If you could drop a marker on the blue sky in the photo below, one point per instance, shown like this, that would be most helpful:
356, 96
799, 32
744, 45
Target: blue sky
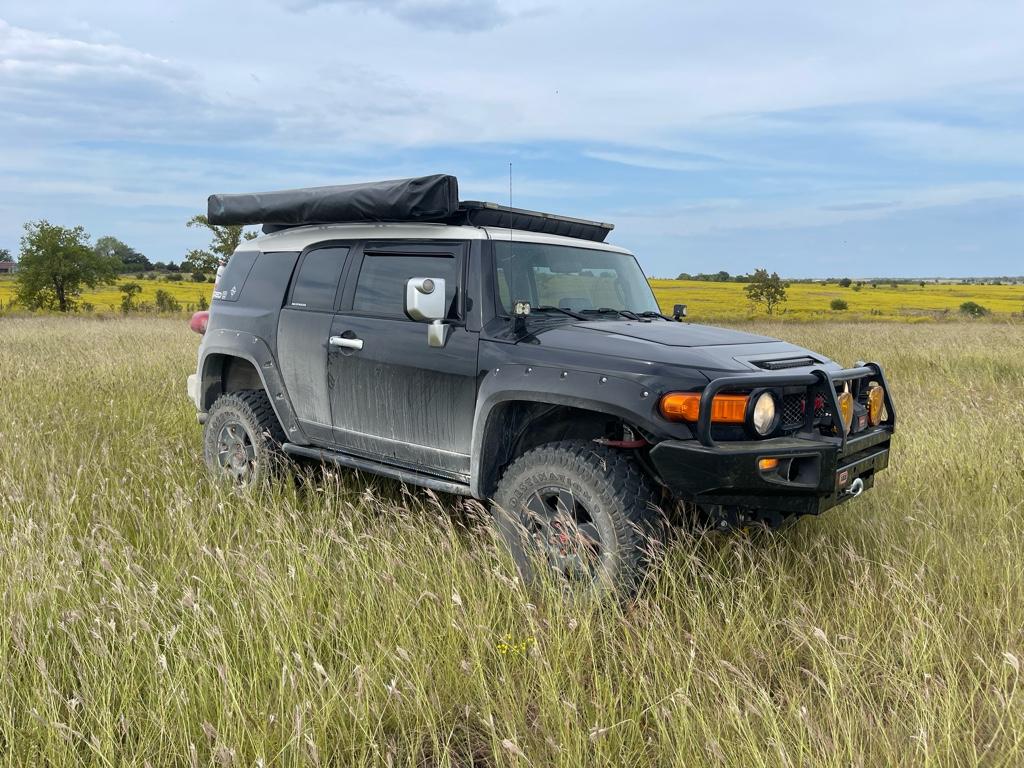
814, 139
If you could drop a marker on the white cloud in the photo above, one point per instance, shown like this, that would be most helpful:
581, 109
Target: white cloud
453, 15
728, 215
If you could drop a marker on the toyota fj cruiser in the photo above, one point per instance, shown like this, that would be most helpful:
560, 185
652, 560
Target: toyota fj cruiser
514, 357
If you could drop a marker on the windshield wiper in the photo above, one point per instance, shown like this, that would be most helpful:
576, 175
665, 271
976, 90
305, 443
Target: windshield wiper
628, 313
608, 310
548, 308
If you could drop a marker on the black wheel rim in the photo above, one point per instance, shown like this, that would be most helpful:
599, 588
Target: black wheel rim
236, 454
565, 532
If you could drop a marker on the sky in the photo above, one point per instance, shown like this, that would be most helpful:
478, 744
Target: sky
813, 139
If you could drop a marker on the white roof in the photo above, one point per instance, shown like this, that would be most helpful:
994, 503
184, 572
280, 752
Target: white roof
297, 238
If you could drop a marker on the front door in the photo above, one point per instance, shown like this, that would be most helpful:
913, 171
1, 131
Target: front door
394, 397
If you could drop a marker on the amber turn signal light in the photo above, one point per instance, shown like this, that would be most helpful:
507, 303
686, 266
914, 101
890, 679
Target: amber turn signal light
846, 410
876, 403
766, 465
685, 406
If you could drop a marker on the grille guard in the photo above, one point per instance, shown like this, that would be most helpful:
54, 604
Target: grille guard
818, 378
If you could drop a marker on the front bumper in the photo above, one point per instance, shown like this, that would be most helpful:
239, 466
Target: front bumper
813, 474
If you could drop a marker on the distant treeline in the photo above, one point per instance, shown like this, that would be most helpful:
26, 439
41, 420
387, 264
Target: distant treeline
846, 282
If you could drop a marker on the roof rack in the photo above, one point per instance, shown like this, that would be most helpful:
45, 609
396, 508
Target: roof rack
423, 199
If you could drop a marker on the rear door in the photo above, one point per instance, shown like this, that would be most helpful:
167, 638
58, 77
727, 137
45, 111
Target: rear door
303, 330
396, 398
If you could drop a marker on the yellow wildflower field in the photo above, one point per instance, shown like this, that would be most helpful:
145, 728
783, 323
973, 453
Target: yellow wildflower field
705, 301
811, 301
108, 297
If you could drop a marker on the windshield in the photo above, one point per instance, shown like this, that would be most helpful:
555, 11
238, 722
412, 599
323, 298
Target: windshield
575, 279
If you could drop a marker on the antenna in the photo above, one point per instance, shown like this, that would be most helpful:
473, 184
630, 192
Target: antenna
510, 206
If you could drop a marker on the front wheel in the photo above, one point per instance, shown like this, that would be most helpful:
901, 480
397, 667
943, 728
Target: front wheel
242, 438
582, 510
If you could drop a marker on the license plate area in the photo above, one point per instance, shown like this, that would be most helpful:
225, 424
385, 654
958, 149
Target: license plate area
865, 466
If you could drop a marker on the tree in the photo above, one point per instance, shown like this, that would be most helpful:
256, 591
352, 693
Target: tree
130, 291
226, 240
766, 289
5, 255
165, 302
131, 260
845, 282
973, 309
56, 262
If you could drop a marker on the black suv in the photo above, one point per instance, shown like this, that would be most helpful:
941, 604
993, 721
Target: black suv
515, 357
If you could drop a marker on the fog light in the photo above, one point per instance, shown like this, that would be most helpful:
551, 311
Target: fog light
876, 404
846, 410
767, 464
763, 416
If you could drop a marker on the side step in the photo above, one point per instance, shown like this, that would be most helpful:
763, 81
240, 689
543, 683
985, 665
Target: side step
376, 468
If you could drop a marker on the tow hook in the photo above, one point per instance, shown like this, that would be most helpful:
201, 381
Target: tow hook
856, 488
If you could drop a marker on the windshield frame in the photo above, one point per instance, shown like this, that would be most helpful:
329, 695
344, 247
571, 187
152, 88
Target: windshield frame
502, 311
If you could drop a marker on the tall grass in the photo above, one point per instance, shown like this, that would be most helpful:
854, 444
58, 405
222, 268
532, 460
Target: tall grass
149, 617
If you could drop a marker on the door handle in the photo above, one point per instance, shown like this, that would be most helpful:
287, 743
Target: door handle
341, 341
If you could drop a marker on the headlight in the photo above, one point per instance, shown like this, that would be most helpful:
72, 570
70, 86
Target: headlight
846, 411
763, 415
876, 404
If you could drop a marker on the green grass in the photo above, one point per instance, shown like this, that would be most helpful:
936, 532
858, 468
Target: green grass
151, 618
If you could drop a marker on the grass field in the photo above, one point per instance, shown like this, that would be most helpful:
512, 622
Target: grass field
150, 618
706, 301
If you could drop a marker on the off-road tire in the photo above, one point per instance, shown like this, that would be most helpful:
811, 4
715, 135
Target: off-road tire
248, 411
617, 494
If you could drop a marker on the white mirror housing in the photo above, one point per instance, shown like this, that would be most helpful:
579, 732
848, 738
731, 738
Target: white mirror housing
424, 299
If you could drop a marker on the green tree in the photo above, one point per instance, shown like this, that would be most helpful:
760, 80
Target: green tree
130, 291
5, 255
973, 309
131, 260
165, 302
766, 289
56, 262
226, 240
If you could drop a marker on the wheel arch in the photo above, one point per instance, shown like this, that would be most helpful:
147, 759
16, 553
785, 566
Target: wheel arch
518, 422
226, 369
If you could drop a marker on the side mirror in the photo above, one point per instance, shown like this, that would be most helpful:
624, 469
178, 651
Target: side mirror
425, 302
679, 312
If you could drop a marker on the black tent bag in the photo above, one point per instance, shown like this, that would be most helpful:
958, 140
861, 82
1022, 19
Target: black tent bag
426, 198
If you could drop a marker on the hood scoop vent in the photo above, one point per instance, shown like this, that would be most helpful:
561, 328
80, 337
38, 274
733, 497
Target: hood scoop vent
789, 362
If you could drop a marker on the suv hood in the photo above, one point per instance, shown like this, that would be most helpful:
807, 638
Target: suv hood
674, 334
715, 351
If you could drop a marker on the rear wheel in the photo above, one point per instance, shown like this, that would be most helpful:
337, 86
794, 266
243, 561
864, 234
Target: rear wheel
242, 438
583, 511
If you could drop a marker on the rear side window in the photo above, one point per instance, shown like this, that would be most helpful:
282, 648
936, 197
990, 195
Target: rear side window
316, 284
380, 289
229, 286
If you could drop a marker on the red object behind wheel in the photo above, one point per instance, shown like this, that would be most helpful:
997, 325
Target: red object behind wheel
199, 321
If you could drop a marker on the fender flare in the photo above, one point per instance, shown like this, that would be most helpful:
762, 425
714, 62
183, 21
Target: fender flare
254, 350
627, 398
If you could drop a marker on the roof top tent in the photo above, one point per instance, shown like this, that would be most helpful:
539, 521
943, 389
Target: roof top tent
433, 199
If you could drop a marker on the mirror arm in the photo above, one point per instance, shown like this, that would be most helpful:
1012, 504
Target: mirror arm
437, 333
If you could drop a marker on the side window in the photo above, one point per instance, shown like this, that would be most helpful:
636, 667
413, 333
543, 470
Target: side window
380, 289
316, 283
230, 283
